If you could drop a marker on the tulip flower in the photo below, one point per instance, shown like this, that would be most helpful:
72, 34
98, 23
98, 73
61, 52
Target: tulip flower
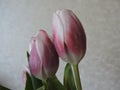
68, 36
43, 60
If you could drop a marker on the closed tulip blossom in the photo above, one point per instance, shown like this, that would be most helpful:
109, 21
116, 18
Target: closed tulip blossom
68, 36
43, 60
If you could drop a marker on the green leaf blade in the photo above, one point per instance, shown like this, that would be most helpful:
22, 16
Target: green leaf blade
54, 84
37, 83
28, 85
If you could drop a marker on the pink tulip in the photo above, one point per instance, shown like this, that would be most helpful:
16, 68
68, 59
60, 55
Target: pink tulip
68, 36
43, 59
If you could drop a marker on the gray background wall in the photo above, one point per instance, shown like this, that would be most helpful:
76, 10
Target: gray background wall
21, 19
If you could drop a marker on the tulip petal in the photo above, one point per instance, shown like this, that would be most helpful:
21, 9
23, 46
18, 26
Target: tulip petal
34, 62
79, 36
47, 54
74, 35
51, 60
58, 36
72, 40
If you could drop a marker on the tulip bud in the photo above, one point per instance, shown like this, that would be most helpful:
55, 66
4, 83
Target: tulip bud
68, 36
43, 59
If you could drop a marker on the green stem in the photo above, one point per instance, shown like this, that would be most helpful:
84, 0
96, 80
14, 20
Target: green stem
76, 76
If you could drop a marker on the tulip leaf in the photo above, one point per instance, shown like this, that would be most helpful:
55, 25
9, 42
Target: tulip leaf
37, 83
41, 88
54, 84
29, 85
32, 83
3, 88
68, 78
28, 55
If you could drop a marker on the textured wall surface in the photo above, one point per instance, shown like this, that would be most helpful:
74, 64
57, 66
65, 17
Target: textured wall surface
21, 19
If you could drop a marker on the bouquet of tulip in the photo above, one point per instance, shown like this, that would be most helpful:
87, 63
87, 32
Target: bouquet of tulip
68, 43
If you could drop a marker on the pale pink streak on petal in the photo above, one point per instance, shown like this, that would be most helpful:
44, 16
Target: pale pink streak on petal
58, 36
24, 77
34, 62
40, 44
31, 43
40, 51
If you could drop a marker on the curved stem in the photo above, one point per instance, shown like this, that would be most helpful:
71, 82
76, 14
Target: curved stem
76, 76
